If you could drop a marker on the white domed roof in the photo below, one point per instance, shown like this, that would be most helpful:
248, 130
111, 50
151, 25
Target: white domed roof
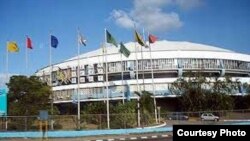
184, 46
163, 45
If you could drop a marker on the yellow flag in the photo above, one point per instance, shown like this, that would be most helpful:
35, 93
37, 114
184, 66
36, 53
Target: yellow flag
139, 39
12, 47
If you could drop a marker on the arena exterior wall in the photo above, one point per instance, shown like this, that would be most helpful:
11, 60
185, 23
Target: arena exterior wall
170, 59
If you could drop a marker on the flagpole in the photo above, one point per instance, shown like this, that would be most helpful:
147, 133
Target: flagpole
50, 64
153, 83
136, 57
142, 64
7, 62
103, 87
137, 83
78, 82
106, 71
122, 80
103, 63
26, 57
7, 77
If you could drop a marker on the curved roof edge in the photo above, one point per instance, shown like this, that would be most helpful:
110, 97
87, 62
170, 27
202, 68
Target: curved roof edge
162, 45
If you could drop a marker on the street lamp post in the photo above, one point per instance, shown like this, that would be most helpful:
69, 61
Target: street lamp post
159, 114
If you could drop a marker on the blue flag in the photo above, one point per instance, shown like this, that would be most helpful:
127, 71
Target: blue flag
54, 41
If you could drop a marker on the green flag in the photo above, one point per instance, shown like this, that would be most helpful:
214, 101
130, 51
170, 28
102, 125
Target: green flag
110, 39
124, 50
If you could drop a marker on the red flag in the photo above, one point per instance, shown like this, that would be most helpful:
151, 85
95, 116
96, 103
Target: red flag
152, 38
29, 43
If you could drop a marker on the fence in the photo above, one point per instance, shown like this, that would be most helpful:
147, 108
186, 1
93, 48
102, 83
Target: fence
117, 121
69, 122
195, 117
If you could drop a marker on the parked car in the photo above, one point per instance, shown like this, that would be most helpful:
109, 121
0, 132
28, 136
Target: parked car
209, 116
177, 116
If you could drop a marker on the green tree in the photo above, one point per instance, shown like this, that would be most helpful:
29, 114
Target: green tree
94, 113
192, 91
247, 97
243, 102
219, 97
95, 108
124, 115
146, 107
247, 87
27, 95
197, 93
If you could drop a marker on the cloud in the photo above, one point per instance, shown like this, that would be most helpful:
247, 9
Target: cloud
188, 4
150, 14
122, 19
142, 4
4, 79
153, 19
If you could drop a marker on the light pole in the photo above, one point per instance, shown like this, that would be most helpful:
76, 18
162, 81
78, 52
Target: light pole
159, 114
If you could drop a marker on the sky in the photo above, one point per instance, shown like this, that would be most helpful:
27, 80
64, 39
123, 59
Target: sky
221, 23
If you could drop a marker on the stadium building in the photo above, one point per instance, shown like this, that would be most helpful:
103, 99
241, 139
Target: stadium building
158, 67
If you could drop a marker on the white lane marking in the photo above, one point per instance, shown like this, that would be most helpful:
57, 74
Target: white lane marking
154, 136
110, 139
144, 137
122, 139
164, 135
133, 138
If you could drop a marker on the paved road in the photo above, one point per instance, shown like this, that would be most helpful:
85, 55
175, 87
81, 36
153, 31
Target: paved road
163, 139
134, 137
80, 139
158, 139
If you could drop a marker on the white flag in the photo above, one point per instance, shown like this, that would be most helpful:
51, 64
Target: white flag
81, 40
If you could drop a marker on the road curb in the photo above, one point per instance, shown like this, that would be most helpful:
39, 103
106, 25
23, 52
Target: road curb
82, 133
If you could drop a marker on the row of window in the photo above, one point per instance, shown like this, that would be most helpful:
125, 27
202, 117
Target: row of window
161, 64
95, 72
121, 91
156, 64
114, 91
186, 63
